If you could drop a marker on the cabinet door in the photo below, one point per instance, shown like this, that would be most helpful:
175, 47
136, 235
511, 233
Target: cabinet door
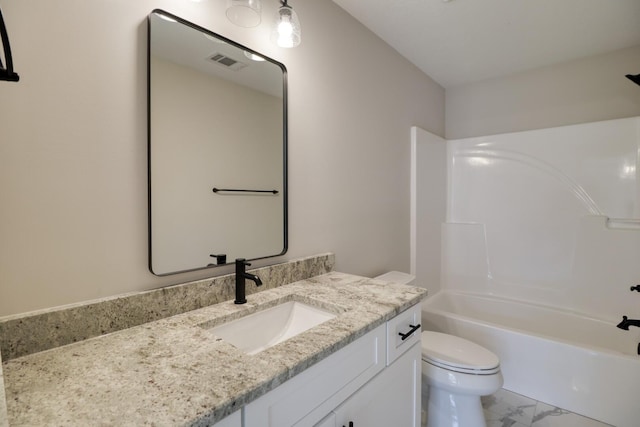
308, 397
233, 420
392, 398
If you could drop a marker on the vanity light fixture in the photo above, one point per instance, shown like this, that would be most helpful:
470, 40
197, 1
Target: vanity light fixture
286, 32
244, 13
247, 13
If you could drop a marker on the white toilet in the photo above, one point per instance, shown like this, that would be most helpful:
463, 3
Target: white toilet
457, 372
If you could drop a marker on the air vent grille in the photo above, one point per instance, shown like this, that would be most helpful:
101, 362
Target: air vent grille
226, 61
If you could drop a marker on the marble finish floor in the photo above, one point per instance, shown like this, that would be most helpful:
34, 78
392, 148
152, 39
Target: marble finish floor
508, 409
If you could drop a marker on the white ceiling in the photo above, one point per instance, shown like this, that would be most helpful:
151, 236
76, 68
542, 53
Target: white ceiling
463, 41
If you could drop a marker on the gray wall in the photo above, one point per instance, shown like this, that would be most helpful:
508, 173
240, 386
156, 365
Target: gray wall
73, 173
580, 91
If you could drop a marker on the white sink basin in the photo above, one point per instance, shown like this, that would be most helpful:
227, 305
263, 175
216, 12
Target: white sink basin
266, 328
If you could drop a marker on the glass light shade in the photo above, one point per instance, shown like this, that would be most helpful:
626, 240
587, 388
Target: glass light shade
286, 32
244, 13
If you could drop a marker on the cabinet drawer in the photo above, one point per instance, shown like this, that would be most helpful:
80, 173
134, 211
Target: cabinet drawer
313, 393
403, 331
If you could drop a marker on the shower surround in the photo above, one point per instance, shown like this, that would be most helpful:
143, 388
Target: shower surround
550, 216
545, 224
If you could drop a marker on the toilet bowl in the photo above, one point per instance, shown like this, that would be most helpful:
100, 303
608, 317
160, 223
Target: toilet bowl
457, 372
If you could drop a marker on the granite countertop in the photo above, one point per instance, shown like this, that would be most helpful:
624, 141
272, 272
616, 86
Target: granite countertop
175, 372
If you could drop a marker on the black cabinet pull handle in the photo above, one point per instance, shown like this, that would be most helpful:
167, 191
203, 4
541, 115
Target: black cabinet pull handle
408, 334
635, 288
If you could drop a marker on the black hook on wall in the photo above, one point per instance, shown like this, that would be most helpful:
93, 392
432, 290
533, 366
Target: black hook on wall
6, 73
635, 79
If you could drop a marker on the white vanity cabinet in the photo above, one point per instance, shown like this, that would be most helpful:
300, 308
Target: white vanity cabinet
374, 381
392, 398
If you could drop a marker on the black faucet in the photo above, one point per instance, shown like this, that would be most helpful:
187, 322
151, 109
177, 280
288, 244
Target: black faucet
628, 322
220, 259
241, 275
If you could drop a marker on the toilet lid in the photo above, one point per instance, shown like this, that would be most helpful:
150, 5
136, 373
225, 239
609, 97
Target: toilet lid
457, 353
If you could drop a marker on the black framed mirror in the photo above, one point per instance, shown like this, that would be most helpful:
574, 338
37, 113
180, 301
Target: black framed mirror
217, 121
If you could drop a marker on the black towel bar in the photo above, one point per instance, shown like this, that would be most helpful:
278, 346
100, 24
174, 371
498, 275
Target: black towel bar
217, 190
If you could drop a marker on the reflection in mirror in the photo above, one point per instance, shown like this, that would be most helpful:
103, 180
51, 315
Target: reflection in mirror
217, 120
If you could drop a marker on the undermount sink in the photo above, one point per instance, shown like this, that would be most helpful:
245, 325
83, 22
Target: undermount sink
259, 331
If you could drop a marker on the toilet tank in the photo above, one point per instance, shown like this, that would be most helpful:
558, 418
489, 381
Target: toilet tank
398, 277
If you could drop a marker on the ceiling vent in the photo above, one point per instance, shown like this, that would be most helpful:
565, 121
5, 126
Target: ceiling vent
226, 61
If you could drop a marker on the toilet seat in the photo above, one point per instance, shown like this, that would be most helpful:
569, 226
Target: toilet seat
457, 354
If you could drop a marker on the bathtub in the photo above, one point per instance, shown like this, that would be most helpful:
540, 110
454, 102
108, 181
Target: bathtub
578, 363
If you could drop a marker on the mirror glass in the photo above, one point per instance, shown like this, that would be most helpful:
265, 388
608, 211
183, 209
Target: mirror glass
217, 149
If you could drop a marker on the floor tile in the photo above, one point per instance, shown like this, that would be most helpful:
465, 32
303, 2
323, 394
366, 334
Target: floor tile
550, 416
510, 406
496, 420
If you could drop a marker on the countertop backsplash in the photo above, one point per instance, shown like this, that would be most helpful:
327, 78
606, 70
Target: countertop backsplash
29, 333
